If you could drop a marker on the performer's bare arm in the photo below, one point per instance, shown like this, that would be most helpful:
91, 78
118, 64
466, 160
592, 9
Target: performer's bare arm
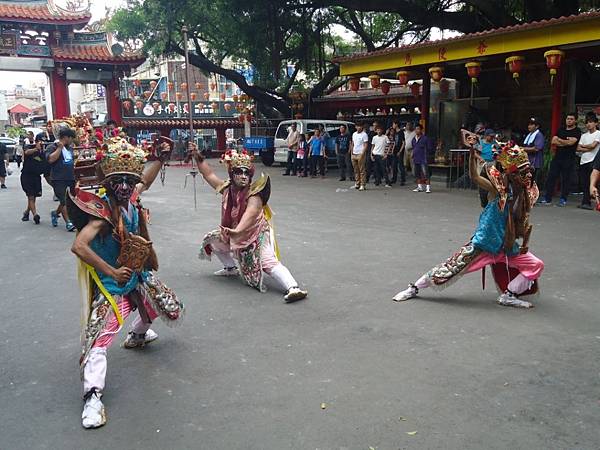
594, 182
207, 172
81, 247
476, 177
151, 171
253, 210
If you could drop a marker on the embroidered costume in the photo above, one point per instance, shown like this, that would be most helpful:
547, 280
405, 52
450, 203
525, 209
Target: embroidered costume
504, 220
245, 243
121, 240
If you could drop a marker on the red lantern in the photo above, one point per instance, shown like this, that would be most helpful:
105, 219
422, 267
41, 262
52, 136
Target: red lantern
298, 115
235, 97
153, 84
402, 76
444, 86
170, 85
515, 66
193, 96
354, 84
222, 96
184, 86
375, 80
473, 70
414, 89
206, 95
139, 104
198, 85
554, 59
126, 105
213, 86
214, 106
147, 94
178, 95
137, 82
163, 96
436, 73
385, 87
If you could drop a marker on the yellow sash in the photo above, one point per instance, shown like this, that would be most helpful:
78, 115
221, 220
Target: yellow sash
269, 216
106, 294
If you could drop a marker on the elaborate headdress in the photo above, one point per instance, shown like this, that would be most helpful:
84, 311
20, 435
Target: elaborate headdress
78, 123
512, 158
234, 159
118, 156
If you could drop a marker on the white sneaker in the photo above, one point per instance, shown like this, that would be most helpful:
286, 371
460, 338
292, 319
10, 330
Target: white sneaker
510, 299
227, 272
134, 340
93, 415
362, 188
428, 189
388, 186
419, 188
294, 294
410, 292
354, 186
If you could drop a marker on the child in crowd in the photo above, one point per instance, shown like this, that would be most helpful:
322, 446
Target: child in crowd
302, 157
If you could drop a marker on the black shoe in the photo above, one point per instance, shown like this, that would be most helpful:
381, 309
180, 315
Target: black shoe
342, 179
36, 219
286, 174
25, 217
588, 207
2, 186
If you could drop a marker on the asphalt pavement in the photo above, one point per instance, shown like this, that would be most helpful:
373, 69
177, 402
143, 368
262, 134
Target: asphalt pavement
345, 369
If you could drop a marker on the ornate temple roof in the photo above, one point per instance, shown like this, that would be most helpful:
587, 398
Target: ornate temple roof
42, 11
95, 48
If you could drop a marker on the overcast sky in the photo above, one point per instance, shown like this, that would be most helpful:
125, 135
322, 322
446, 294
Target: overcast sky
10, 79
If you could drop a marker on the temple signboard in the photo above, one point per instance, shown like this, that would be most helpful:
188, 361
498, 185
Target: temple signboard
8, 43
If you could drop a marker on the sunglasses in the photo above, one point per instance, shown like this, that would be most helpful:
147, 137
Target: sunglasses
241, 172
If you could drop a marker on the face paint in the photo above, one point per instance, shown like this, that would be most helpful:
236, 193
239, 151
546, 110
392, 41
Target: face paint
122, 187
241, 177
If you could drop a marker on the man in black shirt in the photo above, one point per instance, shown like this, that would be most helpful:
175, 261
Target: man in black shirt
565, 142
342, 144
33, 167
62, 164
3, 164
398, 156
47, 138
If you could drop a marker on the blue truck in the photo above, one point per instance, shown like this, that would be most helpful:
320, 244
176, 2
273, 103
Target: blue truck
263, 146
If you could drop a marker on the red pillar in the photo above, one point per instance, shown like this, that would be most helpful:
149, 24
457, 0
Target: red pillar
60, 95
113, 102
556, 103
425, 101
221, 140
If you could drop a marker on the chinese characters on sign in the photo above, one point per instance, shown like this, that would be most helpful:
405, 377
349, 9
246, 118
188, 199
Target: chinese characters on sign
482, 47
8, 43
407, 59
442, 54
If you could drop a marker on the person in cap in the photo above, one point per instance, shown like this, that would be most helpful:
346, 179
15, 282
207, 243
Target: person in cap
245, 242
487, 150
534, 146
117, 266
504, 220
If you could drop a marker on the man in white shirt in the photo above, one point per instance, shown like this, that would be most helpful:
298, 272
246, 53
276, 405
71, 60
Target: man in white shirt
292, 144
588, 147
379, 143
409, 134
358, 150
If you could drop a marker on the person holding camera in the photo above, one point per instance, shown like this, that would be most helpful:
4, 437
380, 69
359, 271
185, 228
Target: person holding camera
61, 159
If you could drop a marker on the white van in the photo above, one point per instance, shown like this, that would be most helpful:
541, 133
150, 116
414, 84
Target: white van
308, 126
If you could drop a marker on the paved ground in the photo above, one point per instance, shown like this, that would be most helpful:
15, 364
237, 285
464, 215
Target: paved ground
245, 371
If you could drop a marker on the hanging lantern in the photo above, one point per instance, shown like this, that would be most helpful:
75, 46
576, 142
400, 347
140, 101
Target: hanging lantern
137, 82
193, 96
214, 106
227, 107
375, 80
163, 96
153, 84
414, 89
222, 96
206, 95
170, 85
213, 86
184, 86
385, 87
178, 95
515, 66
147, 94
235, 97
444, 86
402, 76
473, 70
171, 107
354, 84
139, 104
126, 105
554, 59
298, 116
198, 85
436, 73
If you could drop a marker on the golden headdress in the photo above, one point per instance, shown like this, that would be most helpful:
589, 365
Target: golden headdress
512, 158
118, 156
234, 159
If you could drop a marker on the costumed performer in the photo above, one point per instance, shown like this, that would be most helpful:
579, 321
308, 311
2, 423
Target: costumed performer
512, 193
116, 266
245, 242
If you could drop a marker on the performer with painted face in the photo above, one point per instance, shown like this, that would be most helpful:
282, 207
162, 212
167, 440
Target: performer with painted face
245, 238
512, 193
116, 266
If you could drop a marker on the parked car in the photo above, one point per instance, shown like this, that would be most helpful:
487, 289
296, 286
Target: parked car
11, 146
308, 126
